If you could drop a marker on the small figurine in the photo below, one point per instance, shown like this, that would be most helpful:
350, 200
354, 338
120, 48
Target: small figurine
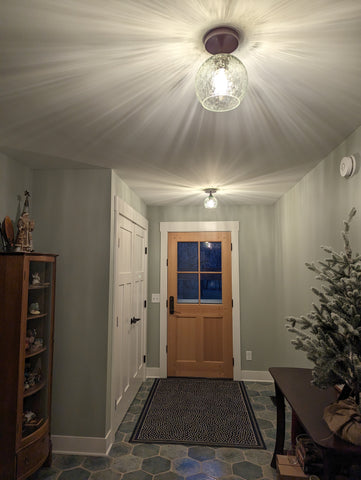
34, 309
38, 344
36, 279
30, 338
29, 416
24, 240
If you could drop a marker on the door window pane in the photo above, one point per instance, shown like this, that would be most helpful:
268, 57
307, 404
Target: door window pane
187, 256
211, 288
187, 288
211, 257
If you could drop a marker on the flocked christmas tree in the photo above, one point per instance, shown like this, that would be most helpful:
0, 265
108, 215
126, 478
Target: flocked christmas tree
330, 333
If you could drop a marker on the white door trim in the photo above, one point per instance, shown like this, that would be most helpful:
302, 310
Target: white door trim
232, 227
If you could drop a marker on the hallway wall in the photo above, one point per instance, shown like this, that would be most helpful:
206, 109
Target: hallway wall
311, 214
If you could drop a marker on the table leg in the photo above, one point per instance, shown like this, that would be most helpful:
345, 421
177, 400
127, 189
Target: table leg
280, 435
328, 466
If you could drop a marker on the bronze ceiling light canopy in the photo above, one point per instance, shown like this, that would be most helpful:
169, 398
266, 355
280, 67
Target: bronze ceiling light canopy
221, 40
221, 81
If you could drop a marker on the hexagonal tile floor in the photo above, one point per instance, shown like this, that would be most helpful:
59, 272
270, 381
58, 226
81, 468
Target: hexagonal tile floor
131, 461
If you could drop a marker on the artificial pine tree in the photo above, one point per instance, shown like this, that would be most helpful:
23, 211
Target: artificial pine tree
330, 333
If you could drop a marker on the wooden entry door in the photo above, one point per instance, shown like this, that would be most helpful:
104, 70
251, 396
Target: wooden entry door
200, 305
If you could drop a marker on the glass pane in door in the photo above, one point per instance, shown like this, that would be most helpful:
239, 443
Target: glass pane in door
211, 256
211, 288
187, 288
187, 256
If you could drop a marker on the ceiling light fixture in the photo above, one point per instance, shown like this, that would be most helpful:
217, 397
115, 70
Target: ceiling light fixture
221, 81
210, 201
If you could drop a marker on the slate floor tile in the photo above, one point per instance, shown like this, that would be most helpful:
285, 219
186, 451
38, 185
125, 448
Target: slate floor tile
63, 462
216, 468
174, 451
105, 475
145, 450
201, 453
74, 474
156, 465
126, 463
186, 466
97, 463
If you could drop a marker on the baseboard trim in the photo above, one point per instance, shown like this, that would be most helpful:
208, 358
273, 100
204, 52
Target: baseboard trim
82, 445
153, 372
256, 376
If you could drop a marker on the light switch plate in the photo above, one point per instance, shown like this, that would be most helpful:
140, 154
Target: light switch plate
155, 297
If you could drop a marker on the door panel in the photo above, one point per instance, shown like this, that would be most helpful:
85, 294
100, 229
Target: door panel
128, 332
200, 328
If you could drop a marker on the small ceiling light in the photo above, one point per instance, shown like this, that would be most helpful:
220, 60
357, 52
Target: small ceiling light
221, 81
210, 201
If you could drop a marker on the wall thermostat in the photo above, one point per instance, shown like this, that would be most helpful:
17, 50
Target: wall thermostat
348, 166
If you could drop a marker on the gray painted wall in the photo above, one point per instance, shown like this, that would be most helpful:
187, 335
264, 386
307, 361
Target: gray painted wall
72, 213
310, 215
256, 265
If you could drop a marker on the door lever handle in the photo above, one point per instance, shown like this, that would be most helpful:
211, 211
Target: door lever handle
134, 320
171, 305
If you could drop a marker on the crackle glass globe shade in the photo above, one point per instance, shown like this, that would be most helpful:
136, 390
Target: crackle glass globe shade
210, 202
221, 83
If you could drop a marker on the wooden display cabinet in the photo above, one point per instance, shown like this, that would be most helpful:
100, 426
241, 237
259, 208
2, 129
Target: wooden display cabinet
27, 292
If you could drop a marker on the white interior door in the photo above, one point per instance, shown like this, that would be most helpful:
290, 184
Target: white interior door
129, 327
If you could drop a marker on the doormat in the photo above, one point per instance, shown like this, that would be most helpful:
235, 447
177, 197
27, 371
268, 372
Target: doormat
198, 411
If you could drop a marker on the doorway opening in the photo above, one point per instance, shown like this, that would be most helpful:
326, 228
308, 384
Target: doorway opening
216, 324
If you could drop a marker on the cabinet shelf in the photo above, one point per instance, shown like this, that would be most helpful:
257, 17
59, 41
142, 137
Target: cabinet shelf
39, 287
33, 354
37, 315
36, 388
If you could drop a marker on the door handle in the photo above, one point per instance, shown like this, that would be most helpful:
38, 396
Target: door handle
171, 305
134, 320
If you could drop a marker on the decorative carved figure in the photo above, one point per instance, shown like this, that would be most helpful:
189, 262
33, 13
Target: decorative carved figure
24, 240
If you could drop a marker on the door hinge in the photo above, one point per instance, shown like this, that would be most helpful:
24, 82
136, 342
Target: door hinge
233, 361
167, 262
145, 304
166, 349
115, 404
117, 322
144, 358
146, 250
231, 247
166, 303
232, 302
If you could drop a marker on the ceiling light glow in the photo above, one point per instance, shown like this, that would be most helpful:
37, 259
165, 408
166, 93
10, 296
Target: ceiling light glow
210, 201
221, 81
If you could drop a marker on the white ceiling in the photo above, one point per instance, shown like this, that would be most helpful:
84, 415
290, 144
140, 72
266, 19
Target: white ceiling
111, 83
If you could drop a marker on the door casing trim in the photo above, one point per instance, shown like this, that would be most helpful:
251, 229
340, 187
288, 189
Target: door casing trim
227, 226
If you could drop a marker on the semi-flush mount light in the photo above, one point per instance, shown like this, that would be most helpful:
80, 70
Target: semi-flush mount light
210, 201
221, 81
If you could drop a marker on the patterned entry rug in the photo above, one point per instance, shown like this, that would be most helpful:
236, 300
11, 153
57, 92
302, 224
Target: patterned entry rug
198, 411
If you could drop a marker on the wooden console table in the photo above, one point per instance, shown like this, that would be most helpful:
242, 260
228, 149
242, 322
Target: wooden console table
308, 403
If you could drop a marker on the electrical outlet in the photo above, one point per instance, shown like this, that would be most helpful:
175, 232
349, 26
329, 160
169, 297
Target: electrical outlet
155, 297
249, 355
